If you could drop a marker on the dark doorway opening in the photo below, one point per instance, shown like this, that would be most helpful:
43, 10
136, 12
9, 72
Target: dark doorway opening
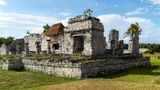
55, 46
78, 45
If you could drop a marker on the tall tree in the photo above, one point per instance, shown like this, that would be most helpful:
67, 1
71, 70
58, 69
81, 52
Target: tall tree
88, 12
2, 39
8, 40
132, 30
46, 27
28, 33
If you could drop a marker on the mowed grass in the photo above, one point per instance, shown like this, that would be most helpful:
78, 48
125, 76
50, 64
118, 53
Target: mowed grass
13, 80
141, 78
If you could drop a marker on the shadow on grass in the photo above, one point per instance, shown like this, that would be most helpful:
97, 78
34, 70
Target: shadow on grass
153, 70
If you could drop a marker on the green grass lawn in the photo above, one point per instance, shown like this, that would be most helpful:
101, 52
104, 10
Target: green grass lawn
12, 80
133, 78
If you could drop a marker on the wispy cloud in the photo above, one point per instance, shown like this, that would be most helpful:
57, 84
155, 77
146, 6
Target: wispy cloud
64, 13
156, 2
121, 23
2, 2
137, 11
23, 22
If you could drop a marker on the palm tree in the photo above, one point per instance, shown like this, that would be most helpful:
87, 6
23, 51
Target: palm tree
88, 11
28, 33
132, 30
46, 27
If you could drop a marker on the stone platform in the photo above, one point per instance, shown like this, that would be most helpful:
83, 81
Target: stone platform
78, 69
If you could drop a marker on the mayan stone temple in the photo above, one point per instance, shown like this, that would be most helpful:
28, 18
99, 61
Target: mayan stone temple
77, 50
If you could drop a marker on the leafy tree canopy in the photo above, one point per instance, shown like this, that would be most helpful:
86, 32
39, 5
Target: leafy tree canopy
88, 12
6, 41
46, 27
134, 28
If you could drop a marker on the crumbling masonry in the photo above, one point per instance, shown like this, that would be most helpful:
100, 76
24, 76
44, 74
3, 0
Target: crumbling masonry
84, 35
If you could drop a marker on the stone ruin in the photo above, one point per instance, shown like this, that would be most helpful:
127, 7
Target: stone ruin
84, 35
133, 46
114, 46
4, 50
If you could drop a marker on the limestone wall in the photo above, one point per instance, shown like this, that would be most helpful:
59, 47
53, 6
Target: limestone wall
3, 50
103, 67
98, 42
44, 43
80, 25
68, 43
66, 69
88, 27
32, 40
11, 64
69, 69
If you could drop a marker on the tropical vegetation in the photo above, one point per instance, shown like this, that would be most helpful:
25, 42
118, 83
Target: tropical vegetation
6, 41
88, 12
133, 29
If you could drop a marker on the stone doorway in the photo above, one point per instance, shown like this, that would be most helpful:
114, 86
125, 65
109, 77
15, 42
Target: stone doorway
78, 45
55, 46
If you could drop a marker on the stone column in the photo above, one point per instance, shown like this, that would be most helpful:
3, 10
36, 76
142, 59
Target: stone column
113, 41
49, 45
18, 47
121, 47
38, 46
133, 46
27, 48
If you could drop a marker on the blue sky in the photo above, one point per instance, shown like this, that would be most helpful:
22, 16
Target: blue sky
19, 16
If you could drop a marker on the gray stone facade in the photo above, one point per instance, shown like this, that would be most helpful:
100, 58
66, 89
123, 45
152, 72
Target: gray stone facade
113, 41
83, 34
133, 46
87, 31
4, 50
69, 69
17, 47
30, 42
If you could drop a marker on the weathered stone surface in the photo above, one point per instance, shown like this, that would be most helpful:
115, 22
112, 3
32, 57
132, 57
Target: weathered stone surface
17, 46
11, 64
113, 39
70, 69
32, 39
133, 46
4, 50
90, 29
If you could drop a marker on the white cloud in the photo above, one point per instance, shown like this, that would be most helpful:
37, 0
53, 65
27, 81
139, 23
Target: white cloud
137, 11
121, 23
156, 2
64, 13
142, 0
14, 24
2, 2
